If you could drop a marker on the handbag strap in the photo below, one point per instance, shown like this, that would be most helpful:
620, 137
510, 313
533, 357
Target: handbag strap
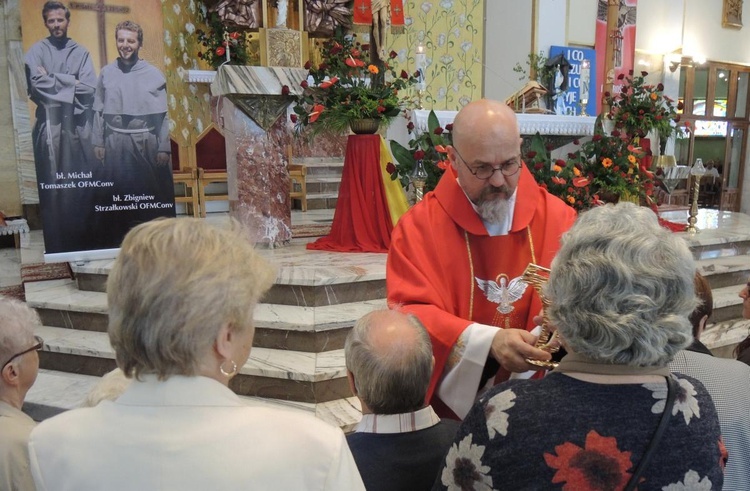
646, 459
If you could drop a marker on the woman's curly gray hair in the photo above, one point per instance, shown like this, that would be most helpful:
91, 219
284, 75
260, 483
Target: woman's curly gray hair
621, 288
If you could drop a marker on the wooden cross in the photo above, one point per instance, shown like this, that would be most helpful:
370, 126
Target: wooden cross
101, 10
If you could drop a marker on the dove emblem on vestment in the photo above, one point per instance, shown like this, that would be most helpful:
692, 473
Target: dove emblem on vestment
503, 292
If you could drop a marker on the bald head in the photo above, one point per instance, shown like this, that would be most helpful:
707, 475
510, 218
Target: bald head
390, 356
483, 119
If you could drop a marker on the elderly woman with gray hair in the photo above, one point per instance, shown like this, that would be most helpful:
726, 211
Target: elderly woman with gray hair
181, 298
610, 416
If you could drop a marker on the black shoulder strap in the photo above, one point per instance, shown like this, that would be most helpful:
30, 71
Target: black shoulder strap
671, 395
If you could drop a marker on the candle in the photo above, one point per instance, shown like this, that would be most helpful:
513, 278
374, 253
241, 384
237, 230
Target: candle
421, 61
585, 80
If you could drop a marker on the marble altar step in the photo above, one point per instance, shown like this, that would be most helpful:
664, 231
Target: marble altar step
725, 271
323, 180
270, 373
55, 392
305, 328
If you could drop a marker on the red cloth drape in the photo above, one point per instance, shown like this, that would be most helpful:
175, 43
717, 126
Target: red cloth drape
362, 221
362, 14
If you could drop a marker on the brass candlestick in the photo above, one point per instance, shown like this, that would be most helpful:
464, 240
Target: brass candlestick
697, 172
418, 178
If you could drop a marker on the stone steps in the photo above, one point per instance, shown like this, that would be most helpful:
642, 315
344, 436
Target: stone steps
323, 180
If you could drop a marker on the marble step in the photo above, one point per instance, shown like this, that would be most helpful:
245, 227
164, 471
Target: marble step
727, 303
303, 278
277, 374
298, 328
55, 392
323, 201
722, 337
725, 271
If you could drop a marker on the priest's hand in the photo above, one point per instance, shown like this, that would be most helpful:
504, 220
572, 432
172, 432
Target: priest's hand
511, 347
99, 153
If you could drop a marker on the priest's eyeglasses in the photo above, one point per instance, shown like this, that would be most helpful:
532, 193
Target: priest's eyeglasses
485, 171
36, 347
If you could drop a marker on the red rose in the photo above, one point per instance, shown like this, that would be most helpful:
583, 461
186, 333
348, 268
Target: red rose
621, 76
560, 162
365, 47
323, 67
293, 117
449, 127
615, 133
308, 65
234, 35
304, 84
419, 155
596, 137
417, 74
200, 55
438, 131
390, 168
644, 73
607, 94
680, 106
660, 86
220, 51
392, 54
677, 119
531, 154
285, 90
576, 142
410, 126
404, 74
630, 72
549, 147
381, 109
538, 166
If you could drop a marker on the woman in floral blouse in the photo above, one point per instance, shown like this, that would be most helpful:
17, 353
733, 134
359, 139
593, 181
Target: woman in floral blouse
621, 289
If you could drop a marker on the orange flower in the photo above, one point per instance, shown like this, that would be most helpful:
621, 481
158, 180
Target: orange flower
558, 180
581, 182
586, 468
557, 168
653, 96
571, 200
441, 149
316, 111
607, 162
576, 171
354, 63
372, 69
631, 159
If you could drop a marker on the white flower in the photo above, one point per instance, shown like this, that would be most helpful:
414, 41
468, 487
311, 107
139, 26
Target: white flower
199, 125
441, 40
181, 40
426, 6
181, 73
185, 58
466, 46
460, 74
176, 8
185, 103
167, 61
420, 36
455, 87
408, 21
190, 118
402, 55
206, 97
191, 6
456, 32
441, 93
167, 38
464, 462
684, 402
172, 102
190, 27
185, 133
172, 125
446, 59
692, 482
464, 100
193, 88
446, 4
494, 412
462, 20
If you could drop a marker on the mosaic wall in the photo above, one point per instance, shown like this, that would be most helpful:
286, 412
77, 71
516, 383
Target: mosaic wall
451, 31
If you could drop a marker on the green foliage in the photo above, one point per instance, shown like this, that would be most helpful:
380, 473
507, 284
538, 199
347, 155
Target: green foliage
430, 146
535, 66
214, 43
347, 86
605, 168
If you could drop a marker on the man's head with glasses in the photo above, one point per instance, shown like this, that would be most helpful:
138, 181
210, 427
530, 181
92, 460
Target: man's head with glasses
18, 347
486, 155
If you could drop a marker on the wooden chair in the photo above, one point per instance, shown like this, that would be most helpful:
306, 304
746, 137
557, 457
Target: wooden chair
728, 199
298, 181
211, 158
186, 183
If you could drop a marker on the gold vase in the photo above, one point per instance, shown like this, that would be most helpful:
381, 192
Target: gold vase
364, 126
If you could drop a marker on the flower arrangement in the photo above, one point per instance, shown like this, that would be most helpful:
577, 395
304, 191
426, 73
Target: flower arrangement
347, 86
640, 108
604, 169
216, 41
431, 147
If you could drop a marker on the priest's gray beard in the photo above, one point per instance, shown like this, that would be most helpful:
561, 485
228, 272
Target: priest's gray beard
494, 211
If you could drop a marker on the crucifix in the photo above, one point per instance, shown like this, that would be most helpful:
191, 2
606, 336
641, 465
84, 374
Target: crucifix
101, 10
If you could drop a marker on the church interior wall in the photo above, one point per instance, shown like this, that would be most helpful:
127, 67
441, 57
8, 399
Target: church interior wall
10, 196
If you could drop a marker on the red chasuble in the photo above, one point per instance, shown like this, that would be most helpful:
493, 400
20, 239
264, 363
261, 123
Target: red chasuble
362, 14
440, 248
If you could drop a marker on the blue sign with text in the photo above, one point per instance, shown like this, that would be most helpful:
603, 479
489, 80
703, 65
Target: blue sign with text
581, 80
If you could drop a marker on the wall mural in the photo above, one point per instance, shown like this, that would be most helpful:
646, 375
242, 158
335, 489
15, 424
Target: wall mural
454, 45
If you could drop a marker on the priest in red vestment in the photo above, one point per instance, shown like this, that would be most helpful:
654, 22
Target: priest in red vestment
457, 257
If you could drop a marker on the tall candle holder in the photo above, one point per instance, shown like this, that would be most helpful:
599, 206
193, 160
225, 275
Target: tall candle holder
697, 171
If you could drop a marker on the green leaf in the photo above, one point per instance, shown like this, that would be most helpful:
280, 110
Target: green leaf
432, 122
403, 155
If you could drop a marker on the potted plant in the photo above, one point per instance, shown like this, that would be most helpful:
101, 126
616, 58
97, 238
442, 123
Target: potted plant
346, 89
